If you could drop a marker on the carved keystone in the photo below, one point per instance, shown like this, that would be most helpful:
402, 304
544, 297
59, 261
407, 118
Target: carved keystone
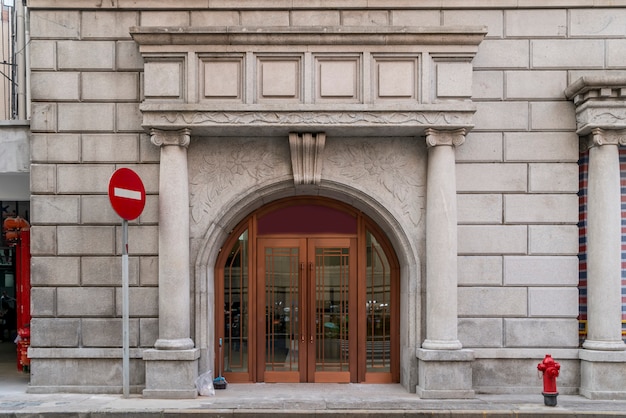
306, 157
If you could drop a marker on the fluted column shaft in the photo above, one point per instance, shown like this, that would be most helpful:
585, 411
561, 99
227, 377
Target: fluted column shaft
604, 270
174, 280
441, 241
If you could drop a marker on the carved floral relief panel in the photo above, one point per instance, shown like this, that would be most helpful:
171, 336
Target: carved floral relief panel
223, 170
391, 170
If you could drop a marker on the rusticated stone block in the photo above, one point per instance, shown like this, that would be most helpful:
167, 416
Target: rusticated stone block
54, 86
553, 302
541, 208
84, 178
83, 55
540, 271
492, 239
480, 270
492, 301
108, 332
570, 53
148, 331
55, 271
55, 209
55, 148
42, 55
492, 177
114, 148
553, 177
527, 332
541, 146
43, 240
54, 332
85, 301
107, 24
479, 208
492, 19
43, 302
57, 24
536, 23
86, 117
503, 54
480, 332
107, 271
553, 239
85, 240
143, 301
106, 86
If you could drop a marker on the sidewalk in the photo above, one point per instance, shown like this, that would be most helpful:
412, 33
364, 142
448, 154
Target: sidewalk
302, 400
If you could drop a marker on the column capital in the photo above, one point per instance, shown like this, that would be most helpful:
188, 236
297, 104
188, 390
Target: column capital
162, 138
600, 136
436, 137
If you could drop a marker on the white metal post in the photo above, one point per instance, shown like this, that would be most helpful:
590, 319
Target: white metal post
125, 325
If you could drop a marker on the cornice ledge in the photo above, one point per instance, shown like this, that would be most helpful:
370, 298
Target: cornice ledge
600, 102
309, 35
590, 82
602, 86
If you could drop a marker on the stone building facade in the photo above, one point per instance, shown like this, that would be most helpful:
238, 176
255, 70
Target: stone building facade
434, 147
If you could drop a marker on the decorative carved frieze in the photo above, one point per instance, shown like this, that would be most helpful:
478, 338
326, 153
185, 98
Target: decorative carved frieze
306, 157
162, 138
435, 137
336, 123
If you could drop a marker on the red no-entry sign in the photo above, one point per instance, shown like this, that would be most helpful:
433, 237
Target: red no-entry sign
127, 194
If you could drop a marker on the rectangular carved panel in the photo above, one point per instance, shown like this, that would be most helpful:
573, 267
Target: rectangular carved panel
223, 78
338, 78
395, 77
164, 78
279, 77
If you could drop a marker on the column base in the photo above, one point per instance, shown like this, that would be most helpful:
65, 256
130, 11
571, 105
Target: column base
445, 374
602, 374
171, 374
617, 345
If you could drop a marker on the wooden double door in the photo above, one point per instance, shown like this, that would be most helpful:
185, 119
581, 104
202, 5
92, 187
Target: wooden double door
307, 291
306, 301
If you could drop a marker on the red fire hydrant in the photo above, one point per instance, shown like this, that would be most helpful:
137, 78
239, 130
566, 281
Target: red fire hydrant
550, 370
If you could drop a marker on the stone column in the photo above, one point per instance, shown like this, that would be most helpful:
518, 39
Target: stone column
601, 125
604, 243
171, 368
444, 369
603, 359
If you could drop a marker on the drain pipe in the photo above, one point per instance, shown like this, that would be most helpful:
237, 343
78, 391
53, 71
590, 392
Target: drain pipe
27, 59
20, 55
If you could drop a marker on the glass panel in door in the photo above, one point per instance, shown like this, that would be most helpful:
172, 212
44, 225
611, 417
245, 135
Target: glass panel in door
330, 298
235, 297
280, 269
378, 313
306, 306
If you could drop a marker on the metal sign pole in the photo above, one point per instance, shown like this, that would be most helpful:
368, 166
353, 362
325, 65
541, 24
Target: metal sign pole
125, 325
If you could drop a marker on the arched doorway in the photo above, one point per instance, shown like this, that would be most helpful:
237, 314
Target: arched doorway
307, 290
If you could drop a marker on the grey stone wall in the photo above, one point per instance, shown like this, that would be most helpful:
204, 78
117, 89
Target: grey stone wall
517, 176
